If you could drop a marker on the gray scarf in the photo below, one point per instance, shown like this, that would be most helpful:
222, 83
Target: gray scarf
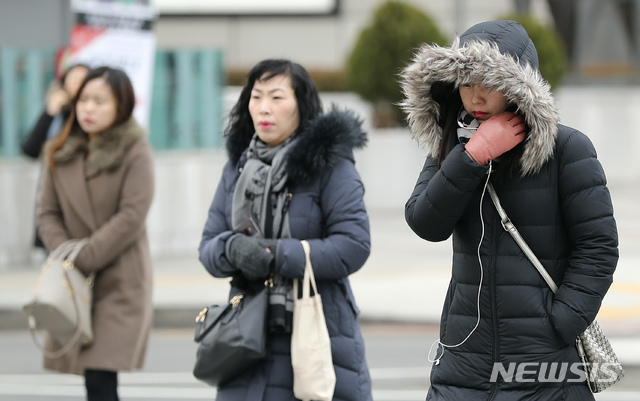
263, 184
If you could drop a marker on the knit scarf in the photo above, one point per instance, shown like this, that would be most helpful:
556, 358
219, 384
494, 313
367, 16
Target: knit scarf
261, 194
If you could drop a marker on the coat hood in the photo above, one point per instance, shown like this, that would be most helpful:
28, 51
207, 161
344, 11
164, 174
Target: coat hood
495, 54
329, 138
107, 151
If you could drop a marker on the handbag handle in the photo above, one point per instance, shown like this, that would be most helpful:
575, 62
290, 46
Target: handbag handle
68, 251
309, 279
201, 320
508, 226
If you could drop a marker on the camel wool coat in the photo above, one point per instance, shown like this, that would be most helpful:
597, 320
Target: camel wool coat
103, 191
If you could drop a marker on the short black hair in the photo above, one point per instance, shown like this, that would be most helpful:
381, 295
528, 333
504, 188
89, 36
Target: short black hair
240, 127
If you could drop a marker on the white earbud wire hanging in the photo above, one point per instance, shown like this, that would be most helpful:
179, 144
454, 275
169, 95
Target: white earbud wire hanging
445, 346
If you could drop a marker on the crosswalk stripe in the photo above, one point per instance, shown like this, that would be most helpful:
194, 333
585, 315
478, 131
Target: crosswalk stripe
170, 393
145, 386
148, 378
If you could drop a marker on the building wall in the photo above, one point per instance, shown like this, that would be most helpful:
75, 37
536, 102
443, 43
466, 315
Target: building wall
316, 41
389, 166
35, 23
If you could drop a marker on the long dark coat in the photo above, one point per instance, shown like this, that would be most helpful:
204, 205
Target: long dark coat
105, 197
559, 202
327, 209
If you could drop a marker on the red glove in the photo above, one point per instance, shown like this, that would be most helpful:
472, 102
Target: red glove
496, 136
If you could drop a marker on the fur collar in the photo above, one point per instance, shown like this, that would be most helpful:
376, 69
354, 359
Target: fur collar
480, 61
106, 152
329, 138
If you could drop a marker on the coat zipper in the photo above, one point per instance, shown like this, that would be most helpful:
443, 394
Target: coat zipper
494, 313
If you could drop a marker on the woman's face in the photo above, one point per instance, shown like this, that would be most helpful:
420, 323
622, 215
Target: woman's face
96, 108
481, 102
274, 109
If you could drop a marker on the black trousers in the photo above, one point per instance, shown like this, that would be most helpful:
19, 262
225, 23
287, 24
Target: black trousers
101, 385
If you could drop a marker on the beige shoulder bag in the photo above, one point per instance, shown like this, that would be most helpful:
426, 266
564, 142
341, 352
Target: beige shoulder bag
62, 300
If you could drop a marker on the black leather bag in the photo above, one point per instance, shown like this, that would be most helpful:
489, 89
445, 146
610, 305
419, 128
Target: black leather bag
232, 337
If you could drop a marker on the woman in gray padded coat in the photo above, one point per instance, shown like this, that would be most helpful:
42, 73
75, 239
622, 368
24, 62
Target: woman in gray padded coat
483, 112
279, 143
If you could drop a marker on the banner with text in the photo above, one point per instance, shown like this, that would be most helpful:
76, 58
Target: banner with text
117, 35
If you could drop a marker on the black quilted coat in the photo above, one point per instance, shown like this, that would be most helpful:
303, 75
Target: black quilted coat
560, 204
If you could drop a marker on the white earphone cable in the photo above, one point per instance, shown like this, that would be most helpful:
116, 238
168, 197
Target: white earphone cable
445, 346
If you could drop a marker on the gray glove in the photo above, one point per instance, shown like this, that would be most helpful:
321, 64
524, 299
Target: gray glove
250, 255
270, 243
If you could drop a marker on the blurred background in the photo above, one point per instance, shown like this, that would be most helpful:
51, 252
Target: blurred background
188, 60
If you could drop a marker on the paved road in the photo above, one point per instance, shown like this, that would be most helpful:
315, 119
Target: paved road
398, 376
396, 355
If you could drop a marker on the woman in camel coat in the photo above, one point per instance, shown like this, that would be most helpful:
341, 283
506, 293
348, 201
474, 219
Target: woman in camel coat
99, 185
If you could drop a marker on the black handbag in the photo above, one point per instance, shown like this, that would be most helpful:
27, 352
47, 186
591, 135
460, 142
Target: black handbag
232, 337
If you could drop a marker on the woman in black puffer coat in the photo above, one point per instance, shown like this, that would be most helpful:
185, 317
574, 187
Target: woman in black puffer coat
484, 112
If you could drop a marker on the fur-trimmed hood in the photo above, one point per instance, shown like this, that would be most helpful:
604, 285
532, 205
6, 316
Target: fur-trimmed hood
329, 138
495, 54
106, 152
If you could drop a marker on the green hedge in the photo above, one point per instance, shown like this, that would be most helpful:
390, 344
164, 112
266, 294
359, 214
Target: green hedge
552, 54
382, 50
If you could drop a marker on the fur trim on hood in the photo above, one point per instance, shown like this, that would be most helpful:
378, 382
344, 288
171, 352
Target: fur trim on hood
329, 138
106, 152
492, 57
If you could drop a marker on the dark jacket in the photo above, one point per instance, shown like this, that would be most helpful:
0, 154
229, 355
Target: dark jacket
32, 146
327, 209
559, 202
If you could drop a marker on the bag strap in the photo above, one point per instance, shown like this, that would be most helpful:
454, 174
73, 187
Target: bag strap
508, 226
63, 250
309, 280
68, 251
202, 331
62, 350
75, 250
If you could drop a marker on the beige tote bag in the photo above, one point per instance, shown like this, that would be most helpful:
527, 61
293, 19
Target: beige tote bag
314, 377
